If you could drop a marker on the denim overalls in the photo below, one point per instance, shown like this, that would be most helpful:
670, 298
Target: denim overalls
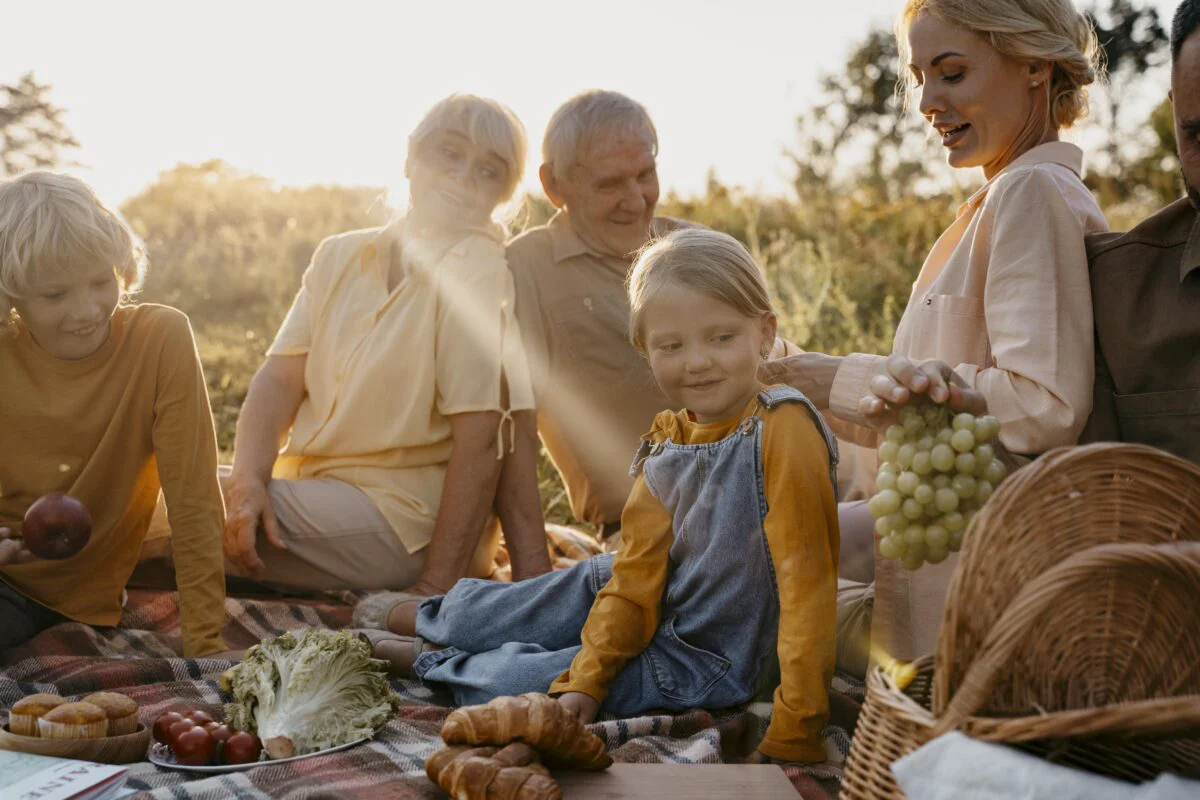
715, 643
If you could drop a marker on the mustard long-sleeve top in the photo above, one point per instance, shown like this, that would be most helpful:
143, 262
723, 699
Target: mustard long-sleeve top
802, 534
109, 430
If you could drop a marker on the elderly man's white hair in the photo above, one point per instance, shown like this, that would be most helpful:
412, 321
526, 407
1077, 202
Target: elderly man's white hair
588, 115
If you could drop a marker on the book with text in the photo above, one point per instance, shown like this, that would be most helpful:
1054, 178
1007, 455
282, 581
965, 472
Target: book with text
28, 777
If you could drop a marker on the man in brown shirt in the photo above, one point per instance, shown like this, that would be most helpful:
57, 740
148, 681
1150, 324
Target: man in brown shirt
595, 395
1146, 292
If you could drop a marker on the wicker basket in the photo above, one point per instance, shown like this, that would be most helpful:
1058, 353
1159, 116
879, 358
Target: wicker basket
1065, 502
1056, 639
1131, 740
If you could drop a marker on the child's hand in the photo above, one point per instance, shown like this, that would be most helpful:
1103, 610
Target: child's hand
12, 549
583, 706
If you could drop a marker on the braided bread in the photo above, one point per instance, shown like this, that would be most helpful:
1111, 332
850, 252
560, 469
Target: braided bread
483, 773
535, 719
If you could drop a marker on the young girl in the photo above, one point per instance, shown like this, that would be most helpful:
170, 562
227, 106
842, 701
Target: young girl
105, 402
730, 544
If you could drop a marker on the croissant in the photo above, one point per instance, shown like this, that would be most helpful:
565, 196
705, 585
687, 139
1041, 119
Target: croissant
536, 719
483, 773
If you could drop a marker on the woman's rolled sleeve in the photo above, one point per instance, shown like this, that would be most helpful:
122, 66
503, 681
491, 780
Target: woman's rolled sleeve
295, 334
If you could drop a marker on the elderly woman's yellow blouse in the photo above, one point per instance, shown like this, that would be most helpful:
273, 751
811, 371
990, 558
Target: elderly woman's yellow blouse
386, 369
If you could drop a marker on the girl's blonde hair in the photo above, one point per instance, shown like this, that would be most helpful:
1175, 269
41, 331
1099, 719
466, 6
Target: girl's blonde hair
1030, 31
700, 259
53, 224
488, 123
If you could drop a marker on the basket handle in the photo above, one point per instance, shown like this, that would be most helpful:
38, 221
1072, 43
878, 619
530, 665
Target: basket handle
1176, 561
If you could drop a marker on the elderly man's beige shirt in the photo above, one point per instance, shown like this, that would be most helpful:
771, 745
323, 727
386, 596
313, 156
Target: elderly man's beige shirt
595, 394
386, 369
1004, 297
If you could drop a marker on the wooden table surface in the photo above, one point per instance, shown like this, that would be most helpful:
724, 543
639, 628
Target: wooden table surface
678, 782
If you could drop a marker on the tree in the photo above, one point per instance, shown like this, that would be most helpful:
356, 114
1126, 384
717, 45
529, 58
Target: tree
1134, 42
32, 132
861, 118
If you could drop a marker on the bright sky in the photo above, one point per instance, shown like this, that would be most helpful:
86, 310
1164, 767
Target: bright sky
318, 92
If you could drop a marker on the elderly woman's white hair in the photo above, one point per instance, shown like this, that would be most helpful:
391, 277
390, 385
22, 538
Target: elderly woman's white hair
589, 114
486, 122
53, 224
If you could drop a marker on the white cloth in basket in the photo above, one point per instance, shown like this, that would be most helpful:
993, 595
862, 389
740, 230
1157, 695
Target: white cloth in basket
957, 767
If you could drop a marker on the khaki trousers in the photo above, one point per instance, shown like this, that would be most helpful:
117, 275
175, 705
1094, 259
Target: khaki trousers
336, 539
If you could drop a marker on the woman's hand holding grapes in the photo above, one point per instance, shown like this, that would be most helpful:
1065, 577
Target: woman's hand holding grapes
903, 381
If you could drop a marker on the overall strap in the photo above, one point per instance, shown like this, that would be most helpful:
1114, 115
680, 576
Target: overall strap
644, 451
778, 395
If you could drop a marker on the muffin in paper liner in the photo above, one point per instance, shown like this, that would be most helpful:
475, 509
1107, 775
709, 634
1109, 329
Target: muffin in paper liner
24, 715
121, 711
74, 721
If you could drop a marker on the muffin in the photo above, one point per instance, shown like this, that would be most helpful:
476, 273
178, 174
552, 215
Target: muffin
23, 716
74, 721
120, 710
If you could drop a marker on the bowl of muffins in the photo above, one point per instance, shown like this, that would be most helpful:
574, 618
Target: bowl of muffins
103, 727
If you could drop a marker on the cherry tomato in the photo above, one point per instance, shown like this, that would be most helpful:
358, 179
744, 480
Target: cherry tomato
194, 747
199, 717
163, 724
242, 748
219, 731
176, 729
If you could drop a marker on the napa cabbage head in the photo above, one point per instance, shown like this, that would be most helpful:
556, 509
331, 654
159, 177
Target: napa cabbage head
309, 692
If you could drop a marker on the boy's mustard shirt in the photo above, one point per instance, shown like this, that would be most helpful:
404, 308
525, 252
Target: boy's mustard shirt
106, 430
802, 534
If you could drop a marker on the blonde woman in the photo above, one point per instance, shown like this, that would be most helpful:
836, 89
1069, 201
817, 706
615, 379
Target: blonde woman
105, 401
400, 388
1000, 315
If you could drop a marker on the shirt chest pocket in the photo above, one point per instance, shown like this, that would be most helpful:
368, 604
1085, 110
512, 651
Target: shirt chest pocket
948, 327
592, 332
1167, 420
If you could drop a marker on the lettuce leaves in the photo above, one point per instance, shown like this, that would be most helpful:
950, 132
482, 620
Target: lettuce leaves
310, 692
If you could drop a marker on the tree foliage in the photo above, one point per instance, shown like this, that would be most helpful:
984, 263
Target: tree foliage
32, 132
228, 248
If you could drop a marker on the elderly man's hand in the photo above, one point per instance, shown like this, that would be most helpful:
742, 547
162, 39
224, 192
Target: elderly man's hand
811, 373
12, 549
903, 380
248, 503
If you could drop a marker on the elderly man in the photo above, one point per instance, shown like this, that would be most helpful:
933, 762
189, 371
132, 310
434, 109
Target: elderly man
1146, 292
594, 393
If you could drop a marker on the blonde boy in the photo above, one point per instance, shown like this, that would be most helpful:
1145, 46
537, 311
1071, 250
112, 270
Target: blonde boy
104, 401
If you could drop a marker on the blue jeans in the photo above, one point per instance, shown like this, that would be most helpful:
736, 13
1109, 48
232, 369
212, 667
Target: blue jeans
21, 618
511, 638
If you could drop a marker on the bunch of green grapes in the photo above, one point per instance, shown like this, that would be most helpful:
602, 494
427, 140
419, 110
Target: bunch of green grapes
935, 472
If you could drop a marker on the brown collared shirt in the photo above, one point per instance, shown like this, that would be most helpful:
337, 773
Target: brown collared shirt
594, 392
1146, 292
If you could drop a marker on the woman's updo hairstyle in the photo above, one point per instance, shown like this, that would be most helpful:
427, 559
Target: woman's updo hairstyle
1027, 31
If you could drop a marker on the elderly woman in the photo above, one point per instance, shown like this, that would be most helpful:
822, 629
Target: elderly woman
401, 390
1000, 314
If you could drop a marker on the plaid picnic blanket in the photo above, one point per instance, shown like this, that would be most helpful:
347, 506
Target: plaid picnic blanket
140, 659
